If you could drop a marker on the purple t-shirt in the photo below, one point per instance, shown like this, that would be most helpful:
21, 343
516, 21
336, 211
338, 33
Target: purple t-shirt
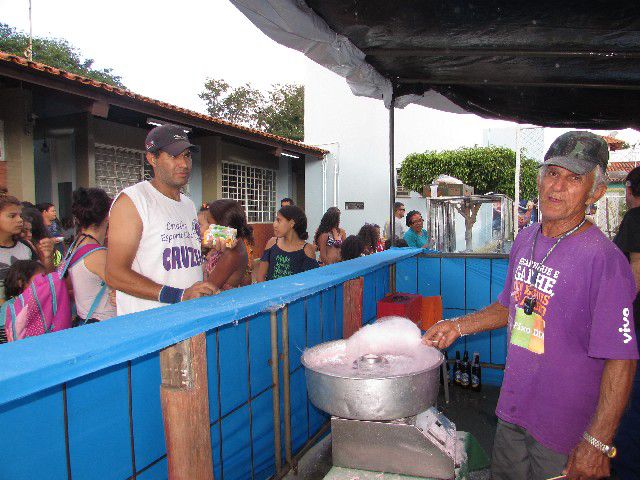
583, 316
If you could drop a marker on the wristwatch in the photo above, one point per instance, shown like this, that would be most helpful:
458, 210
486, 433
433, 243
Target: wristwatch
609, 450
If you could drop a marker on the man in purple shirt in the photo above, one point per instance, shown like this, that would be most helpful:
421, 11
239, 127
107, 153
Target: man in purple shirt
567, 302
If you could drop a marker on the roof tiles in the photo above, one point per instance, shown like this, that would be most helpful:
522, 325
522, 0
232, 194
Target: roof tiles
15, 59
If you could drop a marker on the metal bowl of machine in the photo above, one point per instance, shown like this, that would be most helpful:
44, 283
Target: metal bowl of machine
370, 387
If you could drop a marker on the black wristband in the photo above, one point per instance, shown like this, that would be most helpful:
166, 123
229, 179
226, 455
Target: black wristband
170, 294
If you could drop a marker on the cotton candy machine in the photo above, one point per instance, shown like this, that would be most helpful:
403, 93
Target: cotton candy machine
380, 387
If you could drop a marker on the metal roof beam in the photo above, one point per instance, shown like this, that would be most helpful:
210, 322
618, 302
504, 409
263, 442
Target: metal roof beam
502, 83
491, 52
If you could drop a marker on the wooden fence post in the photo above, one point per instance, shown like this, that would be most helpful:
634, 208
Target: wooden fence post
185, 409
352, 306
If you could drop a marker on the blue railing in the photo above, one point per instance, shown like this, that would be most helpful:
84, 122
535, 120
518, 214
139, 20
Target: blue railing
85, 403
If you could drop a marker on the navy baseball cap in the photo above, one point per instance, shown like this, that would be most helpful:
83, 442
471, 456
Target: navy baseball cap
579, 152
168, 138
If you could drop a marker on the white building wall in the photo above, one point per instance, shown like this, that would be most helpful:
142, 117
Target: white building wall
355, 130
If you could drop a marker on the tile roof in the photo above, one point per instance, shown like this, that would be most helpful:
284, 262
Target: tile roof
613, 143
90, 83
621, 166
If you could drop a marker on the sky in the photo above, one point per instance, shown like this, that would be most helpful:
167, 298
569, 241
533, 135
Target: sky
163, 49
166, 50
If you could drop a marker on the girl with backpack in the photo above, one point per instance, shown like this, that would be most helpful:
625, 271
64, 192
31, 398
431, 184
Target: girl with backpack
288, 252
19, 277
90, 209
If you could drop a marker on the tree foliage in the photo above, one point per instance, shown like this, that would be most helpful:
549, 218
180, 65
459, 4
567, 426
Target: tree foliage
55, 52
279, 111
487, 169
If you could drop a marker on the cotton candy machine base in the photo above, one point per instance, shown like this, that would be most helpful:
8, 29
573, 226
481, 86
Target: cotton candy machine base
364, 394
421, 446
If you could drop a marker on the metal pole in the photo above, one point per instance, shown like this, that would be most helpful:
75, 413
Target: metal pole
276, 391
517, 184
29, 51
392, 170
286, 386
392, 188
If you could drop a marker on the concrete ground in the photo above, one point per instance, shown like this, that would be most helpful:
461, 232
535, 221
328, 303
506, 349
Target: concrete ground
472, 412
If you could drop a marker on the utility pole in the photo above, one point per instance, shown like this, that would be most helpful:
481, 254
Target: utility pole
29, 51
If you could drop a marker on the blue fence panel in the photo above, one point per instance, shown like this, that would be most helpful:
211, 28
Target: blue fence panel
99, 425
297, 333
499, 267
499, 345
236, 445
339, 311
262, 435
216, 449
157, 471
453, 283
314, 337
382, 283
148, 429
114, 381
369, 298
407, 275
32, 437
234, 366
478, 283
260, 352
299, 414
314, 321
213, 375
328, 311
429, 283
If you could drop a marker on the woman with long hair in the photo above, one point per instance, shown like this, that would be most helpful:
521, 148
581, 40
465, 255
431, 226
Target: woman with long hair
90, 208
288, 252
329, 237
370, 237
229, 268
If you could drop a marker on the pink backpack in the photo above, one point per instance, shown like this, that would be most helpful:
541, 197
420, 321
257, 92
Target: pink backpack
45, 306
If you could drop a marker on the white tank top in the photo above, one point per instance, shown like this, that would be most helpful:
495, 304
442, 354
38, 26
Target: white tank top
169, 250
86, 286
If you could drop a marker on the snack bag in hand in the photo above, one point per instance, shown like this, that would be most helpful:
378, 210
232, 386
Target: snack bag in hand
228, 234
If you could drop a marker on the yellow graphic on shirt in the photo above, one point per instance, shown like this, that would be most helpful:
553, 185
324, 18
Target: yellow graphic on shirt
528, 331
535, 282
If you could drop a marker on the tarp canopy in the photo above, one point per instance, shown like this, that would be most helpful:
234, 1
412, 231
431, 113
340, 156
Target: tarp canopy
563, 64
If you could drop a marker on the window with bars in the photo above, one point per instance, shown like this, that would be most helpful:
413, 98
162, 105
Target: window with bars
253, 187
118, 168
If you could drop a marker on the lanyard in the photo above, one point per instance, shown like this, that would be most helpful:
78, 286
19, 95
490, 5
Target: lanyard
529, 303
563, 236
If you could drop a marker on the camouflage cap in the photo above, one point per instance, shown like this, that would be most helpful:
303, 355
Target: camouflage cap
579, 152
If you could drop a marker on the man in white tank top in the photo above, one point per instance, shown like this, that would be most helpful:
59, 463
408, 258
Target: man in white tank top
154, 256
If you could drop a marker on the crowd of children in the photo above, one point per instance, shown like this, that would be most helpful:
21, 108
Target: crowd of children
33, 245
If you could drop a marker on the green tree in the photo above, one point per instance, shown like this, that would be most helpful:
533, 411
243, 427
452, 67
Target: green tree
487, 169
280, 111
55, 52
284, 112
237, 105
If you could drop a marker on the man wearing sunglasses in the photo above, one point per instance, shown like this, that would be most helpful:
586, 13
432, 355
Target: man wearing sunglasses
398, 215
